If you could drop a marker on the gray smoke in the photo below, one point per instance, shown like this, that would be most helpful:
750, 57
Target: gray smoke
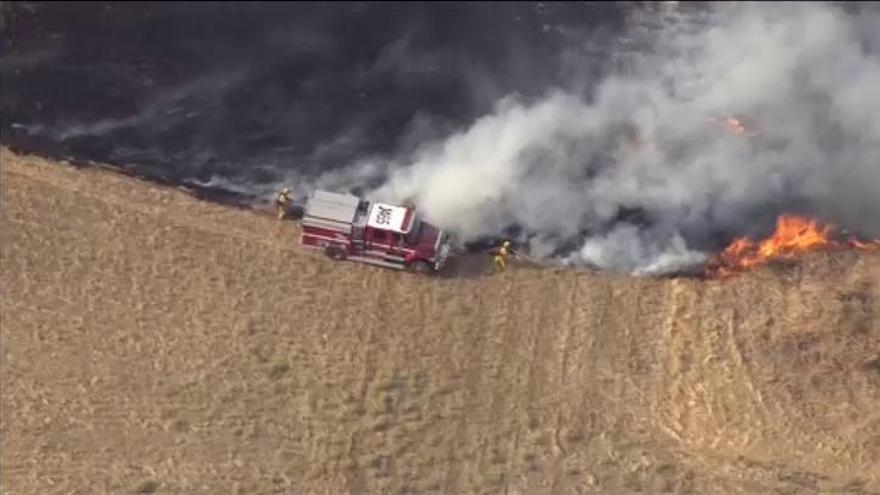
803, 78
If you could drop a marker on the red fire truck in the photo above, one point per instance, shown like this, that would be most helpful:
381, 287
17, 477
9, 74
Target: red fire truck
348, 227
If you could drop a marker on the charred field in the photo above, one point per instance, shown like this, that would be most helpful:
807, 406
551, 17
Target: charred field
153, 340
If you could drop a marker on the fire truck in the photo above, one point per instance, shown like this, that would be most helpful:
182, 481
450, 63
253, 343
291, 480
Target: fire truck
346, 227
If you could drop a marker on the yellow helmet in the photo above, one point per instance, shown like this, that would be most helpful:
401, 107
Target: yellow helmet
506, 244
286, 190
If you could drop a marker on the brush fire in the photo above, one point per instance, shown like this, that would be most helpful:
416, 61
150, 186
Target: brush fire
794, 236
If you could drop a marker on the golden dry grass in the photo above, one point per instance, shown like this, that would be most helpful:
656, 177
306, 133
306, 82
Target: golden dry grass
153, 341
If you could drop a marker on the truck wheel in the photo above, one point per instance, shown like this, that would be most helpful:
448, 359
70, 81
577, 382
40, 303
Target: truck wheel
420, 267
335, 253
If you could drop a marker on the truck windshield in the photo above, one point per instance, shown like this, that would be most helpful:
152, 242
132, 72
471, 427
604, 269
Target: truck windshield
414, 233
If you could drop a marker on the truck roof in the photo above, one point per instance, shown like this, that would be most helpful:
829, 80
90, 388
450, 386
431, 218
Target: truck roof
389, 217
332, 206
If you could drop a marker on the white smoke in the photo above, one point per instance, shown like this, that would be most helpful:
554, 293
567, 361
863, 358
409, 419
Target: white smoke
800, 76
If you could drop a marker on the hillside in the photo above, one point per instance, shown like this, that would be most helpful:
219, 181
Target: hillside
149, 338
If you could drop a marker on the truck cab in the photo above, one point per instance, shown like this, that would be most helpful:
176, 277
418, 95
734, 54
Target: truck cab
348, 227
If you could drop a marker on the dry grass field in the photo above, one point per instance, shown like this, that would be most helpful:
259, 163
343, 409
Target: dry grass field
154, 342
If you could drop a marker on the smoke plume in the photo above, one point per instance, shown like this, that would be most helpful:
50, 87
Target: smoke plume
641, 174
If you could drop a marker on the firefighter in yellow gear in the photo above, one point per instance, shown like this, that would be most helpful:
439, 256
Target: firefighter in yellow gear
282, 203
501, 255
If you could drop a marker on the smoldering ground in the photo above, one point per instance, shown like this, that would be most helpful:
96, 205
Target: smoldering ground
591, 132
243, 91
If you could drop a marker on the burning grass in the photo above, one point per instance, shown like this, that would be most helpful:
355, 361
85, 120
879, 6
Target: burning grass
793, 237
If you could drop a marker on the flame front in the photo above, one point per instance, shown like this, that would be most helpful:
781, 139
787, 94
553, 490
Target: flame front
794, 235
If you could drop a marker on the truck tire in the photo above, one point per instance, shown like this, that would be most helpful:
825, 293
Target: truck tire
335, 253
420, 266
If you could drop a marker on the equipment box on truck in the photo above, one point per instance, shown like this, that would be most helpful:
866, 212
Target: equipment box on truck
348, 227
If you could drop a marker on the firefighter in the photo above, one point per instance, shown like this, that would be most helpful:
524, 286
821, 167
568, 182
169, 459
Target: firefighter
501, 255
282, 203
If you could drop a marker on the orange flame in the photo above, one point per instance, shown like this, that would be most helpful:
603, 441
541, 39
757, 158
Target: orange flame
794, 236
735, 125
